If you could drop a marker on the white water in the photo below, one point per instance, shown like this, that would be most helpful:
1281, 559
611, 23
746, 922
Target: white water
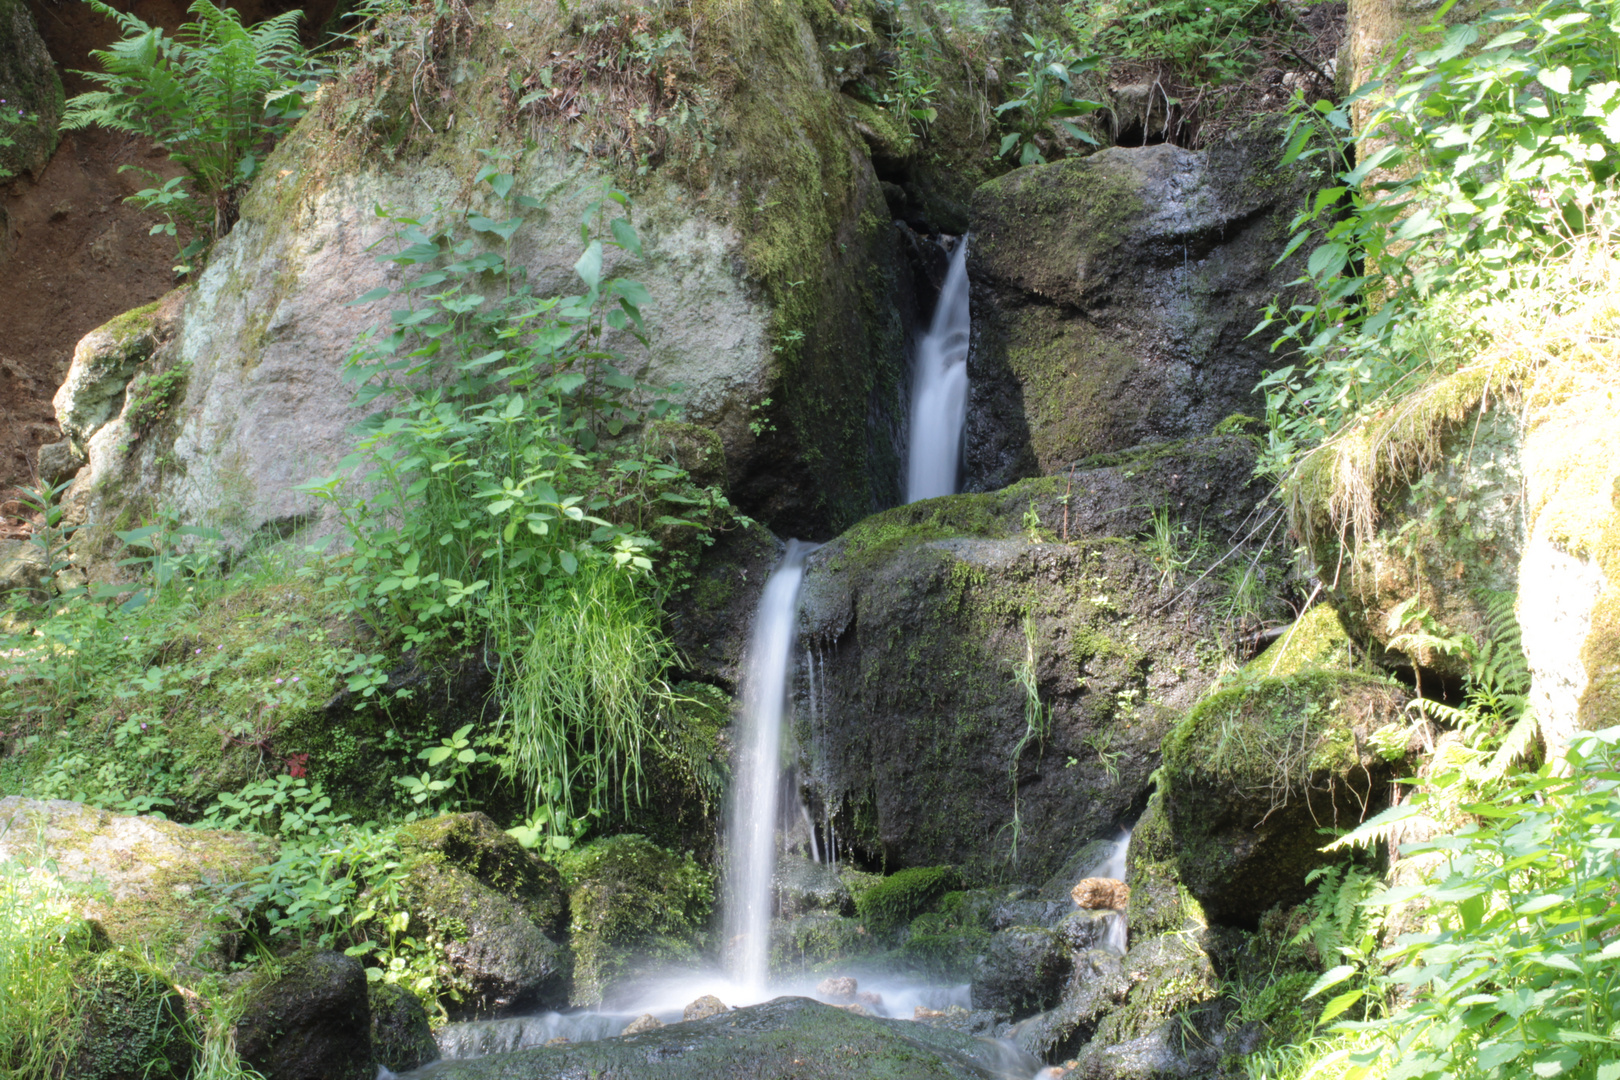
751, 839
1118, 936
939, 386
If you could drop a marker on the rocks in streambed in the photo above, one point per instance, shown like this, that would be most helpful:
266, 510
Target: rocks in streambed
308, 1018
704, 1007
644, 1022
499, 908
634, 906
1022, 972
787, 1038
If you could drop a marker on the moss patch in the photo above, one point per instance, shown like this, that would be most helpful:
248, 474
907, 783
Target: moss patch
901, 897
1317, 639
633, 904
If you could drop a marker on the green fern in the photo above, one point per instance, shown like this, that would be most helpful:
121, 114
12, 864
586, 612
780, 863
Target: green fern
208, 95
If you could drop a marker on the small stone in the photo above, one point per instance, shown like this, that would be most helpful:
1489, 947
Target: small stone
923, 1012
58, 461
704, 1007
842, 987
871, 999
854, 1009
1098, 892
560, 1040
646, 1022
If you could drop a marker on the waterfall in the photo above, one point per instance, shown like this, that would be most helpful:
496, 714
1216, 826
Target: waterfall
751, 854
939, 385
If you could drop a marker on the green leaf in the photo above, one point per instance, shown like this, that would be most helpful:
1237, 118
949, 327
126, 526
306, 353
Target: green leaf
589, 266
1339, 1004
625, 235
1327, 260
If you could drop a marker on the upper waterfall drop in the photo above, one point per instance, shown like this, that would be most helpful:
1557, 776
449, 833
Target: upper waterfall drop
751, 855
939, 385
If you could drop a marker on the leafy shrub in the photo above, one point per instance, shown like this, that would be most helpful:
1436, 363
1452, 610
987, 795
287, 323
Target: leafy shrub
209, 95
901, 897
1206, 41
1481, 163
1512, 969
1044, 94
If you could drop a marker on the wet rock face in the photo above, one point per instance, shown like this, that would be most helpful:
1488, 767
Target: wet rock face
1114, 298
914, 623
310, 1022
1022, 972
788, 1037
401, 1037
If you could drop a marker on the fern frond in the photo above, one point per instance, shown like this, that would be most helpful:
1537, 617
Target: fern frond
1380, 827
1439, 710
1515, 745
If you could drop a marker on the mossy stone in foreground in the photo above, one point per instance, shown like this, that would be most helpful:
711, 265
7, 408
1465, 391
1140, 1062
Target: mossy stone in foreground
498, 908
633, 904
1255, 773
309, 1019
787, 1038
401, 1038
132, 1022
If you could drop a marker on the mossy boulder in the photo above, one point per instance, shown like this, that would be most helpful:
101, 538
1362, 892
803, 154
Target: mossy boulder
787, 1038
30, 96
104, 362
635, 906
401, 1036
916, 623
1170, 1021
130, 1022
1416, 517
819, 941
1115, 295
308, 1018
499, 910
1022, 971
1160, 903
780, 292
148, 882
802, 886
1254, 774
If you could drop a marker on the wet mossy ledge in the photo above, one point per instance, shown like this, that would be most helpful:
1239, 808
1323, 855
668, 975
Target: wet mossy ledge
919, 741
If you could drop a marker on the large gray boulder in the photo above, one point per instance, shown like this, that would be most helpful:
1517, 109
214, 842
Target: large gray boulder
1115, 295
30, 96
777, 277
914, 624
149, 882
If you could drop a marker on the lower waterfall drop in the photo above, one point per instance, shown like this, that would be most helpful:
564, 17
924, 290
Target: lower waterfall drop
939, 389
751, 854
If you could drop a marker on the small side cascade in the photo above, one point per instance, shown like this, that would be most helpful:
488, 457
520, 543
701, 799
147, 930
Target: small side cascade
1118, 936
939, 390
751, 845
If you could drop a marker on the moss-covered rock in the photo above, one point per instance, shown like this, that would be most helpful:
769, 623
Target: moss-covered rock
148, 882
819, 941
802, 885
1022, 971
634, 906
901, 897
401, 1037
712, 612
1168, 1024
916, 622
308, 1018
1115, 296
1254, 774
31, 92
787, 1038
1317, 639
498, 909
1160, 903
131, 1023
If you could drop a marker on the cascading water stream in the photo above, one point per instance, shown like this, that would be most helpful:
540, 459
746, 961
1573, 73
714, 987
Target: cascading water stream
939, 386
751, 857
